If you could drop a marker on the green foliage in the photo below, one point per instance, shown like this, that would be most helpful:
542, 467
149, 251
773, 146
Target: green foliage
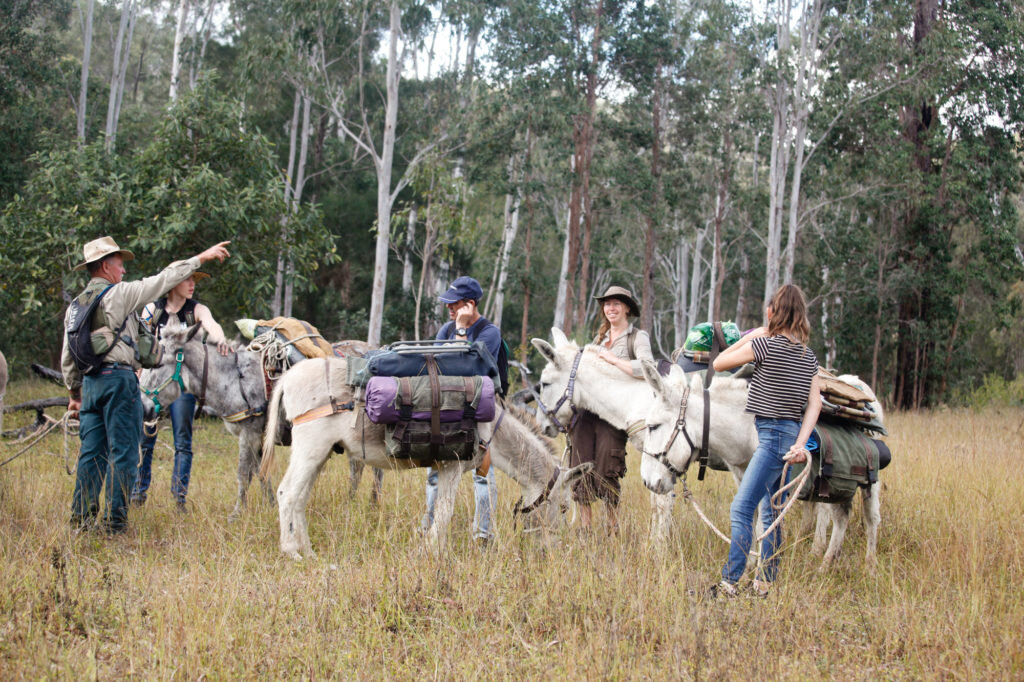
205, 177
994, 391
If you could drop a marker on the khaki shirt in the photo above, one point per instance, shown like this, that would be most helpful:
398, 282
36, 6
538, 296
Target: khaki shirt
641, 348
122, 301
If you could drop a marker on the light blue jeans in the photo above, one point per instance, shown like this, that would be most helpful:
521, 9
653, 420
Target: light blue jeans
484, 490
760, 481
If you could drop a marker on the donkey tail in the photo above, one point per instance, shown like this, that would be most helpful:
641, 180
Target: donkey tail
270, 436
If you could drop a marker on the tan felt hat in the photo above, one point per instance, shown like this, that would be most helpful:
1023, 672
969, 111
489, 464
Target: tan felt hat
624, 295
100, 248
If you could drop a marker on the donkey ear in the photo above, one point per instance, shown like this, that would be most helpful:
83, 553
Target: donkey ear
559, 337
546, 350
192, 331
653, 377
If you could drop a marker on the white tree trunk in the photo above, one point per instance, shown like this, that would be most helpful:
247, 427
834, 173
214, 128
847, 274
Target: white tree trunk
293, 131
563, 275
410, 241
696, 278
741, 286
511, 228
383, 164
779, 101
683, 264
120, 55
300, 185
86, 57
179, 36
124, 72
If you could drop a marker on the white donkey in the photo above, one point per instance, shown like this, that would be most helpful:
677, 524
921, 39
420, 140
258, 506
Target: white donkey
617, 399
517, 449
622, 401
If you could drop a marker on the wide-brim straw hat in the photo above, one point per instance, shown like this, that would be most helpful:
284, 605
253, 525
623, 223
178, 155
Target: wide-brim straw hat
101, 248
624, 295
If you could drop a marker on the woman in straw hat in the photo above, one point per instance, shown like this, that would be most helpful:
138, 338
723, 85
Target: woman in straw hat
179, 309
593, 440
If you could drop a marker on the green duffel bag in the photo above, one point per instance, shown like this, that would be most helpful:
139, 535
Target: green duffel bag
417, 441
845, 460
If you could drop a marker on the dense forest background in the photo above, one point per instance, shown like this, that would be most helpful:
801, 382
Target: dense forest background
360, 155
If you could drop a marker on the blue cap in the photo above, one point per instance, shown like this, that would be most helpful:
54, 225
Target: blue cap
464, 288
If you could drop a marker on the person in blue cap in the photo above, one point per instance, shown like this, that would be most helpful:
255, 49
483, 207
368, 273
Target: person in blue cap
467, 324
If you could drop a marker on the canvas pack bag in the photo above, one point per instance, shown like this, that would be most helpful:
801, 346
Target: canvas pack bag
846, 459
392, 399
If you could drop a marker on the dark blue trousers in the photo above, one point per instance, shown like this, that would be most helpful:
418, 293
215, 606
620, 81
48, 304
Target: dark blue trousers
111, 427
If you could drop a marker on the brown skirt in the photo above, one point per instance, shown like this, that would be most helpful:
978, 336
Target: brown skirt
595, 440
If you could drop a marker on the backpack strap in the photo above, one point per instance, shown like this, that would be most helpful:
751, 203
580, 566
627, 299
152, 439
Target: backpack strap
631, 343
717, 346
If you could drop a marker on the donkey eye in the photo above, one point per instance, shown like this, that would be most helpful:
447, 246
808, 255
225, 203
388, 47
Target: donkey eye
654, 427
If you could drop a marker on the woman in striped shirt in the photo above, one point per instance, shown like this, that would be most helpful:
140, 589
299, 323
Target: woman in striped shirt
785, 400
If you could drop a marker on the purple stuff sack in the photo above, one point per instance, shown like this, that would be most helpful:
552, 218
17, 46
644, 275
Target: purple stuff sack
383, 403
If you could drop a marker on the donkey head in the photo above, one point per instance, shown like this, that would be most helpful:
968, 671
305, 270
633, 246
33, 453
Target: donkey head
554, 381
163, 384
664, 439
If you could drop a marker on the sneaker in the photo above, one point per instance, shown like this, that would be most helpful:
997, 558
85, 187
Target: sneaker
724, 589
760, 588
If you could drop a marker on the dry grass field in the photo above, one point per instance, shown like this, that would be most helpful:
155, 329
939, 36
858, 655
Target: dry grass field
189, 597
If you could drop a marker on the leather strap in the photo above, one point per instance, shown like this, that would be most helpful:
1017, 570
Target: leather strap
435, 406
717, 346
206, 369
323, 411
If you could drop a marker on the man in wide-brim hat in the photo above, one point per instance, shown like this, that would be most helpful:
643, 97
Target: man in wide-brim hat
107, 398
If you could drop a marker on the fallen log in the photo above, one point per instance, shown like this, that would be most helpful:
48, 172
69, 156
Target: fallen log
39, 406
47, 373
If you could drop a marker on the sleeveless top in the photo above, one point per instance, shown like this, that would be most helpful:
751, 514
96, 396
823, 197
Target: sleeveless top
783, 371
186, 317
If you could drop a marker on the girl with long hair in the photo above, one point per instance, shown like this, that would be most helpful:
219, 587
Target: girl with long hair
785, 400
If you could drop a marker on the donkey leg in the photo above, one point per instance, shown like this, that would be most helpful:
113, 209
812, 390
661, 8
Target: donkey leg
661, 519
448, 474
244, 476
840, 522
377, 493
293, 494
872, 518
822, 516
355, 474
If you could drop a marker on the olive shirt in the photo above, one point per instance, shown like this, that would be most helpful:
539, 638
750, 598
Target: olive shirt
620, 348
119, 303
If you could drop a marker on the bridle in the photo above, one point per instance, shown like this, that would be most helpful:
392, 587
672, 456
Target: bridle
679, 427
567, 394
179, 359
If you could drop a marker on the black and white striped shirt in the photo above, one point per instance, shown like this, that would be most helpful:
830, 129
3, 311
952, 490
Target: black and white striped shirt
782, 378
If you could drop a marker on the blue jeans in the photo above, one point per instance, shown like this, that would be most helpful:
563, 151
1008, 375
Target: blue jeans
111, 426
182, 413
760, 481
484, 490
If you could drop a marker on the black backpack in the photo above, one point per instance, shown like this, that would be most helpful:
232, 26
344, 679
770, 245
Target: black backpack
79, 332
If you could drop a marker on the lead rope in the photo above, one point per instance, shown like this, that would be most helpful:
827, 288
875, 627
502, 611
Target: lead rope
783, 509
67, 424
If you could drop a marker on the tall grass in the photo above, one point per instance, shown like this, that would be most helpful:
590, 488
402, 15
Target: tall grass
184, 597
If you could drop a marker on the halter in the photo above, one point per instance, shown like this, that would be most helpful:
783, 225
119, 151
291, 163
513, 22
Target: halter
570, 388
179, 359
680, 426
520, 510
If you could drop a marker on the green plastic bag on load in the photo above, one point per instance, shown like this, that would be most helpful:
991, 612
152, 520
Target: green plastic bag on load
699, 338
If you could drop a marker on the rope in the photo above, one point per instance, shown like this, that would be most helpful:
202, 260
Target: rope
38, 436
783, 509
273, 353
